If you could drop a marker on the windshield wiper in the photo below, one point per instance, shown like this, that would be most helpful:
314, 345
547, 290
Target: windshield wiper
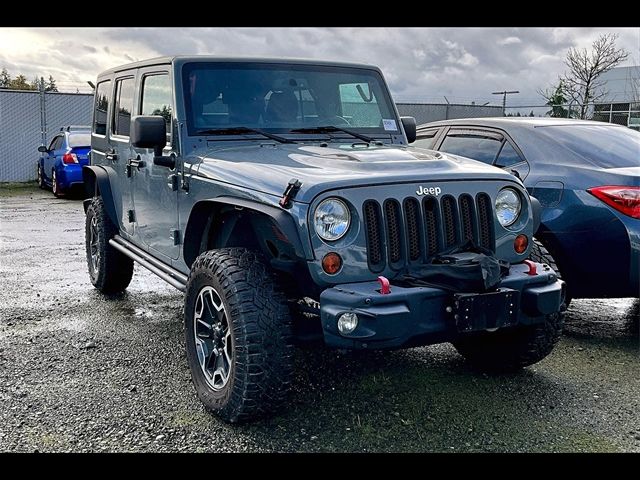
333, 128
242, 131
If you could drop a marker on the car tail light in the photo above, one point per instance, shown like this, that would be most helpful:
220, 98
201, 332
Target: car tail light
623, 199
69, 158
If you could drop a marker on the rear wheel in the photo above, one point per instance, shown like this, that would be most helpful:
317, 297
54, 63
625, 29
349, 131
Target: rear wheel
41, 183
110, 270
238, 334
57, 191
511, 349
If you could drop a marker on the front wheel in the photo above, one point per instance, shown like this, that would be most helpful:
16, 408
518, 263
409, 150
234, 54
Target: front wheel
511, 349
540, 254
238, 335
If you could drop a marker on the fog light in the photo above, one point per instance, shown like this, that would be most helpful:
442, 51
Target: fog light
331, 263
347, 323
520, 243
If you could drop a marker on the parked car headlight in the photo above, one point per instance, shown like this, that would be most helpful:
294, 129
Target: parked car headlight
508, 206
331, 219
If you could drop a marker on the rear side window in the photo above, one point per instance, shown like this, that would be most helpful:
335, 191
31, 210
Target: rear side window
103, 91
426, 139
156, 98
601, 145
508, 156
472, 145
55, 141
123, 106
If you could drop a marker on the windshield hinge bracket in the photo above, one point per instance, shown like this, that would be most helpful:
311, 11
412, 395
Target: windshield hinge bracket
290, 193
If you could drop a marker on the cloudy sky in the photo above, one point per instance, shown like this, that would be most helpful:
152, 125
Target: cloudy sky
420, 64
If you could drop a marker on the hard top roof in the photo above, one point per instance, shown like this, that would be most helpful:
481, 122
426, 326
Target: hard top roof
212, 58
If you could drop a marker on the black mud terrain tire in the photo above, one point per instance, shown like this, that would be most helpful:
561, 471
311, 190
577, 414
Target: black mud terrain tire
540, 254
510, 349
110, 271
232, 293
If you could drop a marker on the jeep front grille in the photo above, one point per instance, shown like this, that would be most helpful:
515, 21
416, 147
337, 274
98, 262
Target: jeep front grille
413, 232
372, 221
392, 214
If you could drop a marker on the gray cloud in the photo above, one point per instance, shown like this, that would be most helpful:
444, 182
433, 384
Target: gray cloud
420, 64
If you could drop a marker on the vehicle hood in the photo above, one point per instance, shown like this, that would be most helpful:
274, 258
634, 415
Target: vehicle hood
268, 168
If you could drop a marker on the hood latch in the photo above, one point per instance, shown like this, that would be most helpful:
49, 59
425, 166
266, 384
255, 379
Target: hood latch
290, 193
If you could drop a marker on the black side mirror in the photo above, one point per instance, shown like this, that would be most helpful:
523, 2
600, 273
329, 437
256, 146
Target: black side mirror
409, 125
42, 149
150, 131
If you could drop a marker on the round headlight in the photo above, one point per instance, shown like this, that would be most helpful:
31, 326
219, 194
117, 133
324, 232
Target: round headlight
508, 206
331, 219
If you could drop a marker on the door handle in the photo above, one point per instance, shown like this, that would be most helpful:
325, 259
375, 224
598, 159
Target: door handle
112, 155
134, 163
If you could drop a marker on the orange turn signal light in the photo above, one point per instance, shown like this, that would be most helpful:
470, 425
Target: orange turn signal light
331, 263
521, 243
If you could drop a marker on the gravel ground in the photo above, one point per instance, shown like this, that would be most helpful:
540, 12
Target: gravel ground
83, 372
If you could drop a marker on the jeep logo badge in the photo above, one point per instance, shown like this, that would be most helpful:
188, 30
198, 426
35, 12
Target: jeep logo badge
429, 191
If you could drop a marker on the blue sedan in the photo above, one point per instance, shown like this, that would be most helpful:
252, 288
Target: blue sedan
60, 166
585, 174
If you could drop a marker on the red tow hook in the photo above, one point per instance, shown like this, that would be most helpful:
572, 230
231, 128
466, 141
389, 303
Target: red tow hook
385, 286
533, 270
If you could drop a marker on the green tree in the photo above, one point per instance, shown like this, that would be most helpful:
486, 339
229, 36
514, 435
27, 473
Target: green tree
5, 79
50, 85
531, 114
556, 99
20, 83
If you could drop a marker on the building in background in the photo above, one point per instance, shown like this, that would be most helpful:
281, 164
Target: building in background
621, 103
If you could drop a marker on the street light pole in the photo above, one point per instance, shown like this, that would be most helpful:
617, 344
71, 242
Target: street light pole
504, 94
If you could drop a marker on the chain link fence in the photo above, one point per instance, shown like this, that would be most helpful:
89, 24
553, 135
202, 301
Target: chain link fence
29, 119
430, 112
626, 114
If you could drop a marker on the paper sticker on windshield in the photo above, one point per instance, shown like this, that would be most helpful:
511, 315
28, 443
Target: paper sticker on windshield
389, 124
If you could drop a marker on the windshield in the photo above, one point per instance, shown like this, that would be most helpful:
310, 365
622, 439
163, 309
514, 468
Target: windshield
80, 140
601, 145
285, 97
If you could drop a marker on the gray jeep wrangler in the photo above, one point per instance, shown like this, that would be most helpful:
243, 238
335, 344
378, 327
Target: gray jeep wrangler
282, 198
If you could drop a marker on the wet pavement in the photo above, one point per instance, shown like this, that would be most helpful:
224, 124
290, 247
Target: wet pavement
83, 372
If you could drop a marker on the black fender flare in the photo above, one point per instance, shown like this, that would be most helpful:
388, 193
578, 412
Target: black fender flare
96, 182
536, 212
281, 218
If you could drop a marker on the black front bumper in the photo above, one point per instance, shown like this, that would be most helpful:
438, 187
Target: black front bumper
424, 315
